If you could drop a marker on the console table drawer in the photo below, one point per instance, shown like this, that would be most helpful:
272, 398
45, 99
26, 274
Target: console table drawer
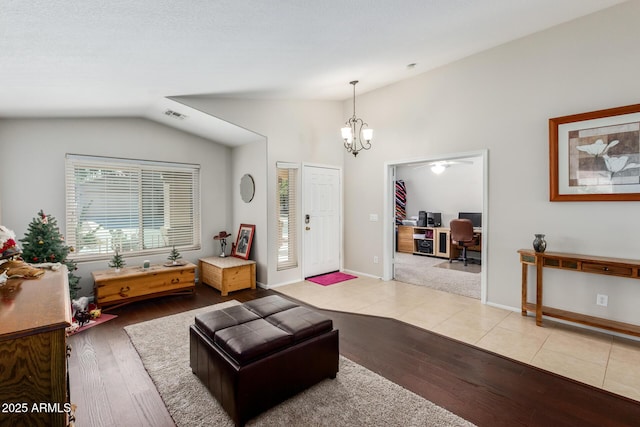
613, 270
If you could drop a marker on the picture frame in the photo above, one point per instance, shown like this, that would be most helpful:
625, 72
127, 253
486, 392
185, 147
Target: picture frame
595, 156
244, 239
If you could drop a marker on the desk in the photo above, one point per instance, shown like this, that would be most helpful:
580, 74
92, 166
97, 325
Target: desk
579, 263
433, 241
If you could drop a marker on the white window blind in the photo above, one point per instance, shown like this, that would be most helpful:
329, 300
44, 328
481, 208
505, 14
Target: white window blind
287, 214
134, 206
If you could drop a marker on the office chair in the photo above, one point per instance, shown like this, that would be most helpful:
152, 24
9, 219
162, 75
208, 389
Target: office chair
462, 235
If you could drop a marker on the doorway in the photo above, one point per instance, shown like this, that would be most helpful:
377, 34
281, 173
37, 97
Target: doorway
322, 219
389, 225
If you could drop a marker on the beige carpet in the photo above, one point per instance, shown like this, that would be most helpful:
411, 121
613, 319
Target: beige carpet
357, 397
425, 271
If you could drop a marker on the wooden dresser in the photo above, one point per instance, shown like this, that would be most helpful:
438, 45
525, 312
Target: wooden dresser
33, 350
114, 289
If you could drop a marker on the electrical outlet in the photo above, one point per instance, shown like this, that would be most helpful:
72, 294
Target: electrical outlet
602, 300
375, 259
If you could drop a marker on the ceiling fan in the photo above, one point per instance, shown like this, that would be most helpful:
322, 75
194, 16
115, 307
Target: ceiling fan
439, 166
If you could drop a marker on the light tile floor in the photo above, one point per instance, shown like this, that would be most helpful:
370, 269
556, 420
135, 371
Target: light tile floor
598, 359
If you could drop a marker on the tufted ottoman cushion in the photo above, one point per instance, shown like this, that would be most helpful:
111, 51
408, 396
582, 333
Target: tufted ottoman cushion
267, 306
301, 322
216, 320
251, 340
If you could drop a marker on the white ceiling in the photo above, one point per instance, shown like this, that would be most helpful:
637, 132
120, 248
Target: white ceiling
61, 58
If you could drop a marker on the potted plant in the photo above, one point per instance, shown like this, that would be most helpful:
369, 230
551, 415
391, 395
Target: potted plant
117, 262
174, 256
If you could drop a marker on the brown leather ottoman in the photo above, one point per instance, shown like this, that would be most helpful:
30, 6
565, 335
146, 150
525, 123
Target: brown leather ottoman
255, 355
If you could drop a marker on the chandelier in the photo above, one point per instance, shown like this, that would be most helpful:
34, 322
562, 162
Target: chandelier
356, 134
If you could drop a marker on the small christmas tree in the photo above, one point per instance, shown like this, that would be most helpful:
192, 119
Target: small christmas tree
174, 256
43, 242
117, 261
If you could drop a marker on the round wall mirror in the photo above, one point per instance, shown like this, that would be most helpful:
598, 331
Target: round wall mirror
247, 188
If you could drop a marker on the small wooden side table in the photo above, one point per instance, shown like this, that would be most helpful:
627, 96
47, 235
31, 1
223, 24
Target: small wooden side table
227, 274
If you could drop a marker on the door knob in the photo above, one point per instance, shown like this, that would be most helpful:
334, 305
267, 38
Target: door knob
307, 228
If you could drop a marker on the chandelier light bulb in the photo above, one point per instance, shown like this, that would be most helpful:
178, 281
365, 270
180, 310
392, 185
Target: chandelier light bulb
356, 133
346, 134
367, 134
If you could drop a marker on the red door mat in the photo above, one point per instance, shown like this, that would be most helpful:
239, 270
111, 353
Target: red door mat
331, 278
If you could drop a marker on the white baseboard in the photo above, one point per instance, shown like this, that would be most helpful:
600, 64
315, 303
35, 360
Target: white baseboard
504, 307
358, 273
277, 285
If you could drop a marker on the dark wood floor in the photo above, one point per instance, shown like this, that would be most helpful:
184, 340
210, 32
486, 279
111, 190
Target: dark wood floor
111, 387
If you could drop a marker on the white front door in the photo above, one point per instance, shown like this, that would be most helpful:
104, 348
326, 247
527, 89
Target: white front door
321, 220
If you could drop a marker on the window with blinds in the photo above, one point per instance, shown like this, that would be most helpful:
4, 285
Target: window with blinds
287, 234
134, 206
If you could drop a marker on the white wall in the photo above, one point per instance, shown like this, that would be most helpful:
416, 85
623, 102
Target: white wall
251, 159
457, 189
297, 132
32, 171
501, 100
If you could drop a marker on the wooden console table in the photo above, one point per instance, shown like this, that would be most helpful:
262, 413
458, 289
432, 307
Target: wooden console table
135, 283
580, 263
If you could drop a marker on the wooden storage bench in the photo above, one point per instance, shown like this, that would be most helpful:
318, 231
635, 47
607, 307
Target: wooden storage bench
227, 274
135, 283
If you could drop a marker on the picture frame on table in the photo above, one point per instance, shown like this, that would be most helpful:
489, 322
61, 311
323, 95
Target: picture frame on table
244, 239
595, 156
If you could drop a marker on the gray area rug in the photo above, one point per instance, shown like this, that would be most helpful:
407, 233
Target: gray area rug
424, 271
357, 397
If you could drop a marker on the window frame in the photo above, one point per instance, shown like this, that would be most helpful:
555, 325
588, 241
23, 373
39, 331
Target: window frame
185, 181
293, 236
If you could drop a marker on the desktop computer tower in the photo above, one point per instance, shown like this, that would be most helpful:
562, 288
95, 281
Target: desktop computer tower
429, 219
422, 219
434, 219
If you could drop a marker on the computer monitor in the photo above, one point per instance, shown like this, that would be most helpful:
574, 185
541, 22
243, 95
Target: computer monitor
475, 217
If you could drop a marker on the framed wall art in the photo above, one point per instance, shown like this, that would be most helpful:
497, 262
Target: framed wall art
242, 247
595, 156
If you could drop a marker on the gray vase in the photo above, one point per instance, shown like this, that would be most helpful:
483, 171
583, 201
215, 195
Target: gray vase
539, 244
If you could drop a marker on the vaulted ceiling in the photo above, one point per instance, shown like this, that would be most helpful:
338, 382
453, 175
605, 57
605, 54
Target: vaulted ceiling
61, 58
